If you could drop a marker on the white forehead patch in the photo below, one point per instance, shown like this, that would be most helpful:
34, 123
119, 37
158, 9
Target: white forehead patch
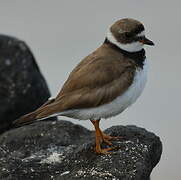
142, 33
130, 47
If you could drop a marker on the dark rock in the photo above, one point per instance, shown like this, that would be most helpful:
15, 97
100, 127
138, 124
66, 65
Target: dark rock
60, 150
22, 86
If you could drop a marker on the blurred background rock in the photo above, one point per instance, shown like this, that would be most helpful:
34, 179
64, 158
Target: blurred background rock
22, 86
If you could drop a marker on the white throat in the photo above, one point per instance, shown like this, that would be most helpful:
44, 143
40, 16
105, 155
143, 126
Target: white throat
130, 47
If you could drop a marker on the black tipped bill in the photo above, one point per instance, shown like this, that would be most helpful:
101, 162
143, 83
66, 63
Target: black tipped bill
147, 41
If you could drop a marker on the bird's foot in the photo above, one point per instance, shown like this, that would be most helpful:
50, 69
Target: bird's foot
105, 150
102, 137
107, 138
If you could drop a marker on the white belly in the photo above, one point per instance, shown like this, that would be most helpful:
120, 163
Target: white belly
117, 105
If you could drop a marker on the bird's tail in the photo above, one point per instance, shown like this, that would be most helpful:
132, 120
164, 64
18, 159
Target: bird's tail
33, 116
26, 119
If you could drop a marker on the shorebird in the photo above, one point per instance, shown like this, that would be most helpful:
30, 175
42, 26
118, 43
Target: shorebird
104, 83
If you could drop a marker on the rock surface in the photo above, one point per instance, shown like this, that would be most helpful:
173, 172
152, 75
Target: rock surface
60, 150
22, 86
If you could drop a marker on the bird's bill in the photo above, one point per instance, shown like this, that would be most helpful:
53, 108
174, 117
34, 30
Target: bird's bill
147, 41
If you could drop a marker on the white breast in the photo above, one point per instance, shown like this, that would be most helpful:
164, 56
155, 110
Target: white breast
116, 106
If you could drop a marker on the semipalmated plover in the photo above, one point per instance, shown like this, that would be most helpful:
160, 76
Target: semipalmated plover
104, 83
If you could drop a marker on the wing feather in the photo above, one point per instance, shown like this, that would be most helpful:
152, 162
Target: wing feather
98, 79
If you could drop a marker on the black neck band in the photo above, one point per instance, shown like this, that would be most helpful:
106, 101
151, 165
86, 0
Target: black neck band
137, 57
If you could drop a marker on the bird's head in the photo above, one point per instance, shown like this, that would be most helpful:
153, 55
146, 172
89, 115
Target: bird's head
128, 34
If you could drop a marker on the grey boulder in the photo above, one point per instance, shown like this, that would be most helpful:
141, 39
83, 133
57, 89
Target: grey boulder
22, 86
61, 150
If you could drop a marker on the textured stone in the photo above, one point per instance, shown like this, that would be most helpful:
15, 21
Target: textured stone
22, 86
61, 150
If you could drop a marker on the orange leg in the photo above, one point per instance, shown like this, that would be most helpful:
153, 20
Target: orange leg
102, 137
